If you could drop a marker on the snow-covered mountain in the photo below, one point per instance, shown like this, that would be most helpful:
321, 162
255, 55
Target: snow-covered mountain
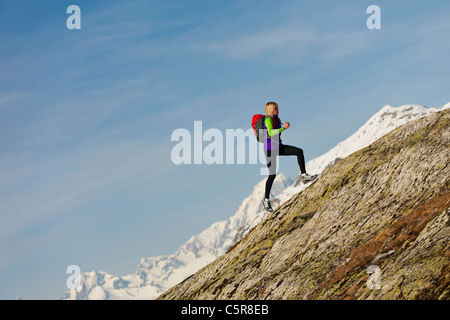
155, 275
381, 123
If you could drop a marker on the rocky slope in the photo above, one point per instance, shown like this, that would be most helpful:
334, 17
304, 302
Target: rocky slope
382, 208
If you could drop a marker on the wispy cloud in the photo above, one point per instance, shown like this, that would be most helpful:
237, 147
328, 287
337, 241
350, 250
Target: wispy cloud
8, 99
54, 185
255, 45
288, 43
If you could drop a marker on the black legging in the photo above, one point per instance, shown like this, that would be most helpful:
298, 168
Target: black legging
271, 158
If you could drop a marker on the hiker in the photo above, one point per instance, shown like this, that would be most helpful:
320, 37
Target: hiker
273, 147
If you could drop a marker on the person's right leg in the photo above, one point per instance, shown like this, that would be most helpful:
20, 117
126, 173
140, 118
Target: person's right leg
287, 150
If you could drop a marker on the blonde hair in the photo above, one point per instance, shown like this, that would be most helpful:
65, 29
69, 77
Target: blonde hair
270, 107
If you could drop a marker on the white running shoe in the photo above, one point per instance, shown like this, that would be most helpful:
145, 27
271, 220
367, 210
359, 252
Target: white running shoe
305, 177
267, 205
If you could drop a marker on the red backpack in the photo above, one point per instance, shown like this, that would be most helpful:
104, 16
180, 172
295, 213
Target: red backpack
258, 127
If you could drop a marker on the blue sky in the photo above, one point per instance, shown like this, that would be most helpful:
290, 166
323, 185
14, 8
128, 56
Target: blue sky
86, 115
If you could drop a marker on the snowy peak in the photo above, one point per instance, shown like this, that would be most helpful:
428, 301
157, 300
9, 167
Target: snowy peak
396, 116
381, 123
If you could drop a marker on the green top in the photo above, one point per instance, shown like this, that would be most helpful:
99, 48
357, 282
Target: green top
269, 125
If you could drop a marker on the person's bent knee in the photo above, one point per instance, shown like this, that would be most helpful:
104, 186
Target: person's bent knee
271, 176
